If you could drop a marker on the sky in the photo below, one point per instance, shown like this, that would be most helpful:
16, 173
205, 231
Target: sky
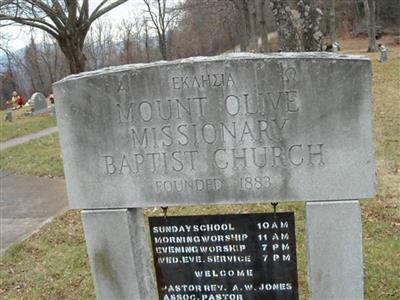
20, 35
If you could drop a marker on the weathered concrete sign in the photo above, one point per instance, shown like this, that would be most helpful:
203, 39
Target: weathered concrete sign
235, 128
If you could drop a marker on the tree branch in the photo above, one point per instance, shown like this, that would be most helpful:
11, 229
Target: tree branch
60, 11
98, 12
48, 11
152, 16
33, 23
84, 14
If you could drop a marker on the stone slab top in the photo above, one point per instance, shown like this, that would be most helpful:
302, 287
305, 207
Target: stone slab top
234, 128
222, 57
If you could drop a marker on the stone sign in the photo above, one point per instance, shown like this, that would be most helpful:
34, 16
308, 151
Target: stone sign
38, 103
249, 256
226, 129
235, 128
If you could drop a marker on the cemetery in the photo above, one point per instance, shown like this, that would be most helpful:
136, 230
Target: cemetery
386, 188
23, 125
271, 173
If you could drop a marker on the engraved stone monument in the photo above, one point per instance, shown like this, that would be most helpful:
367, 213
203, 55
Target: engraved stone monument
237, 128
38, 103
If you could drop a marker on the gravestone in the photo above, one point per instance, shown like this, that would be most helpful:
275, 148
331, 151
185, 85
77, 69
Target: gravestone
240, 128
38, 103
383, 53
52, 110
8, 115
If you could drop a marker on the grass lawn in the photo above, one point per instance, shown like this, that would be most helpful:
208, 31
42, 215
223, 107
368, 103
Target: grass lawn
52, 264
40, 157
23, 125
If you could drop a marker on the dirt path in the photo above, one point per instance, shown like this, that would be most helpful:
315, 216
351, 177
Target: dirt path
26, 203
27, 138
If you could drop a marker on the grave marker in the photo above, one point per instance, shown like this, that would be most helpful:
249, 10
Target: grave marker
38, 103
238, 128
8, 115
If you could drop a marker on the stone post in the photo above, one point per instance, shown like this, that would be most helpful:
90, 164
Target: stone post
334, 250
118, 253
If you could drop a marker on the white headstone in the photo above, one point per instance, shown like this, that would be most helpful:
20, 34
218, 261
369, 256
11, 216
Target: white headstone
38, 103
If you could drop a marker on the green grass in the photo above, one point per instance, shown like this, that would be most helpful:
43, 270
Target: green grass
23, 125
381, 216
40, 157
52, 264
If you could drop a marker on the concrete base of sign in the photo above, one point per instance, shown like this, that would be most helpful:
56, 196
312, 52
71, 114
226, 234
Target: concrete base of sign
334, 239
118, 253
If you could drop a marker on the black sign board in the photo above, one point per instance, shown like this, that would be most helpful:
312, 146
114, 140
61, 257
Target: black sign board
225, 257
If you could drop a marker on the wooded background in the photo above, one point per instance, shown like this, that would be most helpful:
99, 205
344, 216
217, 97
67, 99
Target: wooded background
71, 40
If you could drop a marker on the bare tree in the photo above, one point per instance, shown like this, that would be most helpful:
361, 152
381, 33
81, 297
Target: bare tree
33, 67
36, 68
68, 21
332, 21
162, 18
252, 24
47, 57
247, 12
135, 41
245, 24
4, 39
7, 76
22, 79
252, 16
126, 29
204, 27
7, 84
262, 29
369, 9
100, 48
146, 40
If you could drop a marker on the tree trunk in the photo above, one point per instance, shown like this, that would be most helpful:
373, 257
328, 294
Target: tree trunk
146, 41
288, 36
76, 59
369, 6
262, 27
163, 45
10, 72
72, 48
244, 25
332, 21
253, 39
127, 49
311, 18
37, 67
48, 66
